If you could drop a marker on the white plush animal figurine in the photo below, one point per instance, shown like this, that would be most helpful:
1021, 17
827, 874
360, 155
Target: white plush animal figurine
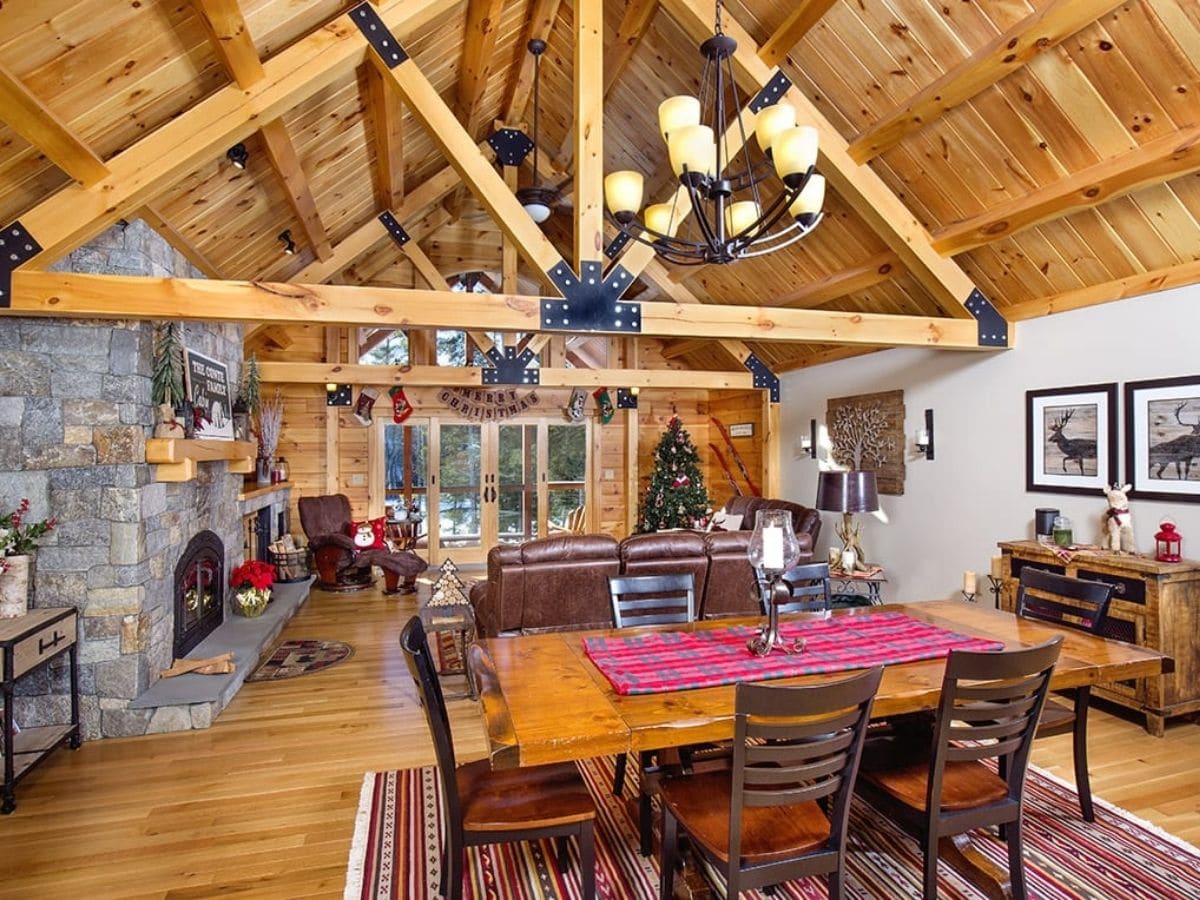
1118, 522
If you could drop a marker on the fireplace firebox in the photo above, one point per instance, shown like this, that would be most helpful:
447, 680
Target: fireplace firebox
199, 591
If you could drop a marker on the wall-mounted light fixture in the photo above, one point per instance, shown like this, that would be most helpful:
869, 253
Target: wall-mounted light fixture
808, 443
628, 399
925, 436
337, 394
285, 237
238, 155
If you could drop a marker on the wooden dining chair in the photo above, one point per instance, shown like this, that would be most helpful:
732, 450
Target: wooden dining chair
781, 811
1074, 603
649, 600
938, 788
809, 586
486, 806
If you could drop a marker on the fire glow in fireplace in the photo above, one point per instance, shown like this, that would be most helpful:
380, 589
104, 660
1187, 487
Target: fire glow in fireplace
199, 591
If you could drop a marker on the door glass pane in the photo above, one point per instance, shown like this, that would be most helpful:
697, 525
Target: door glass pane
459, 514
517, 475
406, 468
567, 470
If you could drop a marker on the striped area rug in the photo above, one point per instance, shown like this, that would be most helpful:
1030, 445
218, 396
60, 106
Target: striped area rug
397, 846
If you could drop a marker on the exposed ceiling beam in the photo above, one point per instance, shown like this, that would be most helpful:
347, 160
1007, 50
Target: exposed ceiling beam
831, 354
634, 25
1119, 289
657, 273
589, 133
126, 297
469, 376
1049, 26
541, 21
1161, 159
286, 162
876, 270
424, 266
230, 39
75, 214
37, 123
804, 15
177, 239
418, 231
676, 349
863, 190
477, 59
388, 134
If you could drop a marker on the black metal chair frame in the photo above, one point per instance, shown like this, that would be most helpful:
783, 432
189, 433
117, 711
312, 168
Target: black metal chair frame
420, 664
809, 587
1041, 595
989, 709
792, 745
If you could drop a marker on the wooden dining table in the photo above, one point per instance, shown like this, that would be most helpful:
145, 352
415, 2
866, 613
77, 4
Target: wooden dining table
544, 701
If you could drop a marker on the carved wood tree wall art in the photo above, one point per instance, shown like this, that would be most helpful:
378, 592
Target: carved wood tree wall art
867, 432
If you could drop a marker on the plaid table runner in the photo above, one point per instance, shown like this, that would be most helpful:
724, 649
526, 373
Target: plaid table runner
660, 661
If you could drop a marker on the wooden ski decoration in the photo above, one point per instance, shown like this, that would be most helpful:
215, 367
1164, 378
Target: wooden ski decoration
737, 457
737, 491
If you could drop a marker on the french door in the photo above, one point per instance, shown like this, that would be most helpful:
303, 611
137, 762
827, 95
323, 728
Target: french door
479, 484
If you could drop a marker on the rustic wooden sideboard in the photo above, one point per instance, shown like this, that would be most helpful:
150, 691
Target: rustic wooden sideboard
1154, 604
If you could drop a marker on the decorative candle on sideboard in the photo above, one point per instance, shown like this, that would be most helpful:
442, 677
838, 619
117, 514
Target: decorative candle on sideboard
772, 558
968, 582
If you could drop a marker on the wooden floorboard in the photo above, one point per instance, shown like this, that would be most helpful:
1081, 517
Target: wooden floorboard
262, 804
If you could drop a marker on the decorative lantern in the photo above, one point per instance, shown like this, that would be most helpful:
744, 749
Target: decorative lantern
1168, 543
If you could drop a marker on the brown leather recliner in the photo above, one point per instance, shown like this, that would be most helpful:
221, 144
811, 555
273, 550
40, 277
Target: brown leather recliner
340, 565
732, 588
804, 519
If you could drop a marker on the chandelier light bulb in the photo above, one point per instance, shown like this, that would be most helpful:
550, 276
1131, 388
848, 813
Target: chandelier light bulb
740, 216
623, 194
694, 149
810, 200
675, 113
794, 151
659, 219
771, 121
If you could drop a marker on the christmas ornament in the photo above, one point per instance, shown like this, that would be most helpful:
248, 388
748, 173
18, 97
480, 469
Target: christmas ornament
401, 408
366, 403
604, 404
681, 481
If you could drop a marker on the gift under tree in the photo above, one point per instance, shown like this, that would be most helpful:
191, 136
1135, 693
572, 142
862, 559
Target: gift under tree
676, 497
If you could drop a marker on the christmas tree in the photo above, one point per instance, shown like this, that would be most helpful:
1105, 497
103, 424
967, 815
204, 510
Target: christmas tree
448, 590
676, 497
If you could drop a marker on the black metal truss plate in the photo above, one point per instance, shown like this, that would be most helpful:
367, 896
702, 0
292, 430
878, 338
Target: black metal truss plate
511, 146
378, 35
592, 300
16, 247
511, 367
626, 399
343, 396
993, 327
774, 89
613, 250
763, 377
395, 229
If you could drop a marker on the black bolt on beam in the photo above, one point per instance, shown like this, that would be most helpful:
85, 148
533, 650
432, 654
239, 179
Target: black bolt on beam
626, 399
340, 396
378, 35
763, 377
17, 246
395, 229
510, 367
510, 146
592, 300
772, 91
993, 327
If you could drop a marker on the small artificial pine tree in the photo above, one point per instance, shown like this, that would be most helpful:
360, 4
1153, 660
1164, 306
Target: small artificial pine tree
676, 497
167, 375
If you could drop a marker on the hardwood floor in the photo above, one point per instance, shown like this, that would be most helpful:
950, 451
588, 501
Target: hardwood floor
262, 804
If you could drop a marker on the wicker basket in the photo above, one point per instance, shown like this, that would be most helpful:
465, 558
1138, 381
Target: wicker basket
290, 565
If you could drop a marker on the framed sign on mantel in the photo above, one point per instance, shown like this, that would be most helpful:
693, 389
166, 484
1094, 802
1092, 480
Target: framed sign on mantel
1162, 438
1071, 439
208, 391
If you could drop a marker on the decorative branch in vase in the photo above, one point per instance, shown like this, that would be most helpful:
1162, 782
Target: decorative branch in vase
270, 421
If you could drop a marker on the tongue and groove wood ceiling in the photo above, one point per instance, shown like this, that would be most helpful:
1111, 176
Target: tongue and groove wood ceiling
1047, 147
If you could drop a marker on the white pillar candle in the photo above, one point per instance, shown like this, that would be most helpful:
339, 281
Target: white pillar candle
968, 582
772, 538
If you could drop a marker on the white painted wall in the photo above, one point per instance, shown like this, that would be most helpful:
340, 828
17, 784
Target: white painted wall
972, 494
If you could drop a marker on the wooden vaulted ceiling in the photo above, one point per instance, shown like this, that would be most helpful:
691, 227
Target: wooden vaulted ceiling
1047, 148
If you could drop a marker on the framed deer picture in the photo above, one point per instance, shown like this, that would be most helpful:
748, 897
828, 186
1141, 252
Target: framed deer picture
1071, 439
1162, 438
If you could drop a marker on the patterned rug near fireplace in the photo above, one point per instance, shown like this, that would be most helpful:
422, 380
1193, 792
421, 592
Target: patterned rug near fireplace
292, 658
397, 846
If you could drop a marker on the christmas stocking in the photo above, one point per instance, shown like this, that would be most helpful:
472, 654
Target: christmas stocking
401, 408
575, 406
366, 402
604, 404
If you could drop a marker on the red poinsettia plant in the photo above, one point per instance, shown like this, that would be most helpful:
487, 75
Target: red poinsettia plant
254, 574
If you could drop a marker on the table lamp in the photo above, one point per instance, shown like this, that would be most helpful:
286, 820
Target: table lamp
773, 549
848, 493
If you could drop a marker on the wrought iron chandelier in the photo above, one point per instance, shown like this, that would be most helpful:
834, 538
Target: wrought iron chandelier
729, 219
537, 199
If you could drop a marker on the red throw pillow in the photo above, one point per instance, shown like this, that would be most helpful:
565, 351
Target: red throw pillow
369, 535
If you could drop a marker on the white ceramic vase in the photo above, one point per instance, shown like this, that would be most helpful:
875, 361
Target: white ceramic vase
14, 587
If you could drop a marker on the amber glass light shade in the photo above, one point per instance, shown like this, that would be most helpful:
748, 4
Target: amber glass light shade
693, 149
771, 121
677, 112
623, 192
659, 218
794, 151
810, 199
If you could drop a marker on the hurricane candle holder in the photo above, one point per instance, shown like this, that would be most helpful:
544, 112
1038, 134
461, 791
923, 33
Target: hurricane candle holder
773, 549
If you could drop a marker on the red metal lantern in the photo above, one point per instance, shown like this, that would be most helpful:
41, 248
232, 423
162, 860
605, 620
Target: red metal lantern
1167, 543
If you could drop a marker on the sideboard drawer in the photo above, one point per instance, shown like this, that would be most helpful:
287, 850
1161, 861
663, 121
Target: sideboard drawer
1131, 590
43, 644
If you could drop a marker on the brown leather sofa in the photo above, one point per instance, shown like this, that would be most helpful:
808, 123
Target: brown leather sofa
561, 583
804, 520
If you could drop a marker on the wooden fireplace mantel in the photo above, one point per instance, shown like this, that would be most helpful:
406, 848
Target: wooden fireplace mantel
177, 459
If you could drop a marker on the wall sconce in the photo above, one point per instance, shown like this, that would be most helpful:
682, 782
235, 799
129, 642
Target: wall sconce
628, 399
925, 436
238, 154
808, 443
289, 246
337, 394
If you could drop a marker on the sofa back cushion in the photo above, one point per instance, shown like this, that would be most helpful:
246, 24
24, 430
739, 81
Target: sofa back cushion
667, 553
552, 583
731, 588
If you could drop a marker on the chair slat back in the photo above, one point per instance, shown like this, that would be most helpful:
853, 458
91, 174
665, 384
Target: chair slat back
989, 708
429, 691
1074, 602
809, 586
797, 744
652, 600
